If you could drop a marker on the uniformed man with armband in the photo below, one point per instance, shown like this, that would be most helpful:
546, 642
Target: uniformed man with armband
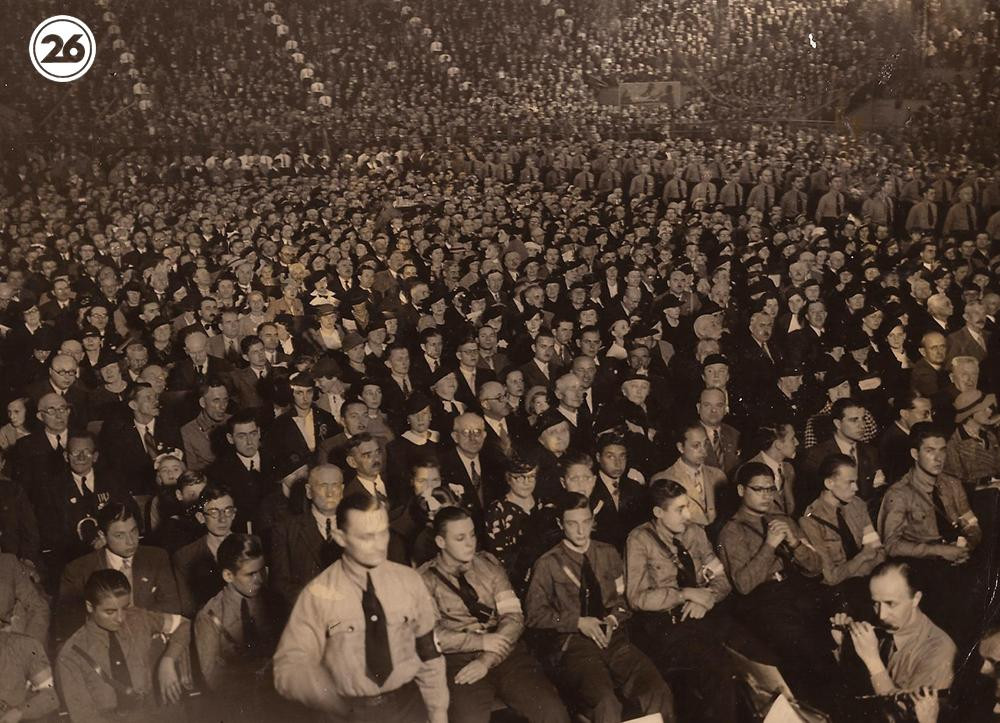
577, 600
480, 629
105, 670
359, 644
838, 526
26, 688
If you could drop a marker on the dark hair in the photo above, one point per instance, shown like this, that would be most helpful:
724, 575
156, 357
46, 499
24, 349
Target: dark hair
247, 342
748, 471
925, 430
189, 478
212, 382
661, 491
116, 510
105, 583
903, 568
210, 493
357, 440
237, 549
609, 439
446, 515
243, 416
682, 431
424, 463
360, 502
905, 400
842, 405
81, 434
572, 501
573, 458
429, 333
768, 435
832, 463
136, 388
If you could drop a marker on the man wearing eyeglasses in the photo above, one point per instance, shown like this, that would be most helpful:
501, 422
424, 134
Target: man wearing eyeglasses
195, 566
63, 379
772, 567
39, 458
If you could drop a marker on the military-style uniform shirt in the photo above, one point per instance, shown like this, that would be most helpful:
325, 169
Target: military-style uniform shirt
553, 599
25, 671
196, 436
458, 630
922, 655
820, 526
321, 654
22, 607
88, 693
907, 521
651, 566
751, 562
219, 639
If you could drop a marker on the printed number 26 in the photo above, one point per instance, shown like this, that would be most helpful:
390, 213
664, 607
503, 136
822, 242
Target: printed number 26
71, 52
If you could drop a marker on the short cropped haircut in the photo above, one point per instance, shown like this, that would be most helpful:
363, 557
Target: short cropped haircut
237, 549
446, 515
662, 491
105, 583
359, 502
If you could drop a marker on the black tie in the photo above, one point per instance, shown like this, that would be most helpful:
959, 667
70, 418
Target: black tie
85, 491
119, 668
850, 545
329, 529
149, 442
470, 598
378, 656
686, 576
840, 206
249, 625
59, 445
970, 218
885, 647
253, 466
946, 527
591, 602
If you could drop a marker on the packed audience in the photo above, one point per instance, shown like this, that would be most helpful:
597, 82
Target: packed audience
559, 428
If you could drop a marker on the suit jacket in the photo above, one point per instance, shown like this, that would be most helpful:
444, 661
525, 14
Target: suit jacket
217, 348
703, 511
288, 447
248, 488
298, 554
729, 441
534, 377
613, 524
153, 586
36, 466
247, 389
927, 380
184, 377
124, 451
198, 576
63, 508
475, 501
810, 485
18, 526
961, 343
76, 396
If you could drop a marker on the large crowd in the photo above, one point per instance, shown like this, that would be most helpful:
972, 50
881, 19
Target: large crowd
359, 362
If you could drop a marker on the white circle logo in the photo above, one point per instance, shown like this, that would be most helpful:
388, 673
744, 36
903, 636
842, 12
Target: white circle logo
62, 48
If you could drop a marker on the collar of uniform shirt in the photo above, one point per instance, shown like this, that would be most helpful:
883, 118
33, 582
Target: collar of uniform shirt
574, 548
448, 568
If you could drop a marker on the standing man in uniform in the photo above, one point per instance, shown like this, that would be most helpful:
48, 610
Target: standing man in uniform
480, 628
359, 644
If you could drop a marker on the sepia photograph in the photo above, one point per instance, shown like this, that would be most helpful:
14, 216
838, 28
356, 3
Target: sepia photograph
500, 361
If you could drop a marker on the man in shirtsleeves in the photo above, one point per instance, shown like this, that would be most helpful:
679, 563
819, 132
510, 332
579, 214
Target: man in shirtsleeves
105, 669
838, 526
674, 581
577, 597
770, 564
479, 630
359, 644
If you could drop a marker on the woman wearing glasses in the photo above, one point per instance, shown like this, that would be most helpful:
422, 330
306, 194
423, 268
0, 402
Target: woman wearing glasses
195, 565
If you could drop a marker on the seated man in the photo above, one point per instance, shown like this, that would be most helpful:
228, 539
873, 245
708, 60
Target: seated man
770, 563
235, 634
27, 691
23, 608
479, 630
585, 621
195, 564
925, 517
152, 585
673, 582
413, 526
904, 651
839, 527
699, 479
105, 669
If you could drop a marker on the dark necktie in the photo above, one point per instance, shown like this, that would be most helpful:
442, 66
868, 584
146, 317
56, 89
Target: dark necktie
85, 490
149, 442
970, 217
329, 529
931, 216
591, 601
249, 625
378, 656
686, 576
119, 668
850, 545
477, 480
946, 528
59, 445
886, 646
253, 466
717, 446
840, 205
767, 198
470, 598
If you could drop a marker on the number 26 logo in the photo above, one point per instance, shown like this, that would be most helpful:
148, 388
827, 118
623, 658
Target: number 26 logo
62, 48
